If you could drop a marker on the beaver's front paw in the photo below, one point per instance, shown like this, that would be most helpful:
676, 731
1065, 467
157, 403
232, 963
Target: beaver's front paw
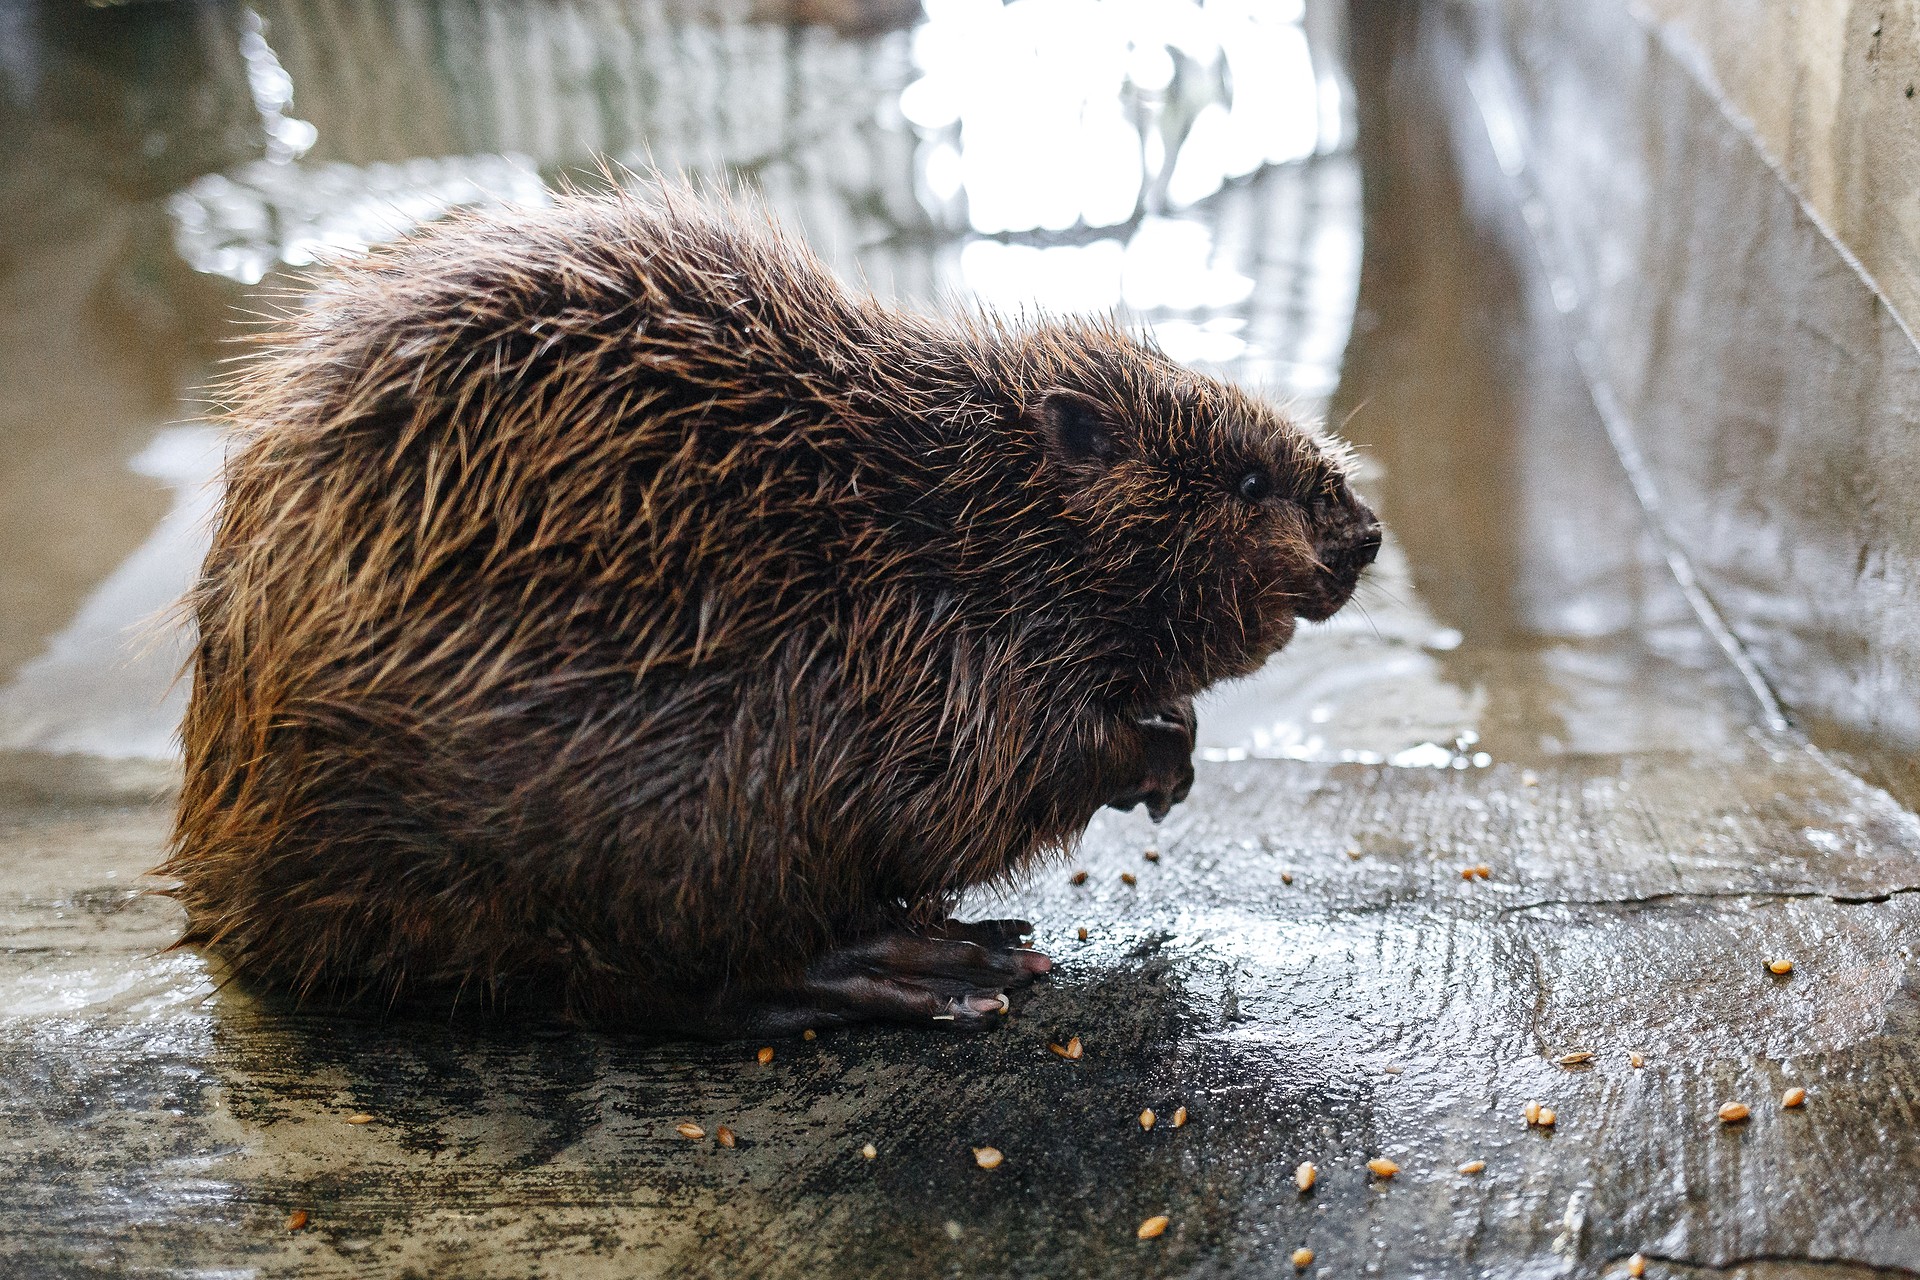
1161, 770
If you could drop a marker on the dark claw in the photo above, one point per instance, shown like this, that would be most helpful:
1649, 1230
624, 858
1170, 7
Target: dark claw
1165, 766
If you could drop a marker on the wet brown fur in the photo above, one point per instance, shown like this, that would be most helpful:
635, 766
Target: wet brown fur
608, 608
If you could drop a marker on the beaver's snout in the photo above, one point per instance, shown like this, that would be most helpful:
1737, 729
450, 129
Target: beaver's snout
1344, 547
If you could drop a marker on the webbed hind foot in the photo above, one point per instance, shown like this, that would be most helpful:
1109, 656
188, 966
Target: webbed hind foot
955, 975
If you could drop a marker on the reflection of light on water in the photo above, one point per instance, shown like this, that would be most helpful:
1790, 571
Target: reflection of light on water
1168, 264
1171, 267
1068, 113
1060, 278
240, 225
1046, 114
1215, 341
1063, 117
1274, 116
1029, 98
272, 91
1284, 740
1361, 688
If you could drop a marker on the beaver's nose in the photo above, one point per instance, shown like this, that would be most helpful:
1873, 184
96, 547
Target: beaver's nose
1364, 548
1351, 546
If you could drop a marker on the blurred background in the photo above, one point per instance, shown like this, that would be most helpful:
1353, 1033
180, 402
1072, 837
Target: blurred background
167, 170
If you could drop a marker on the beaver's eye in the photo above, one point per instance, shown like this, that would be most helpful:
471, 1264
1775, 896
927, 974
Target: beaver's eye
1256, 485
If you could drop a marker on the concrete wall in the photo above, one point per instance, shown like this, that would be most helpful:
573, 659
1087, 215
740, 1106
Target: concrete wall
1831, 92
1725, 195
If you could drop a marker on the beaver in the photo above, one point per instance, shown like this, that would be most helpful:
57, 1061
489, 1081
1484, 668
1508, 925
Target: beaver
611, 611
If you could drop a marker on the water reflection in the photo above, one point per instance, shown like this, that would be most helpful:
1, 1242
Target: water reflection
1047, 114
1169, 264
241, 225
1039, 122
288, 138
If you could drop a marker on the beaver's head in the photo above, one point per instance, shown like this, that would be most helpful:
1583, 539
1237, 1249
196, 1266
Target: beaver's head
1224, 520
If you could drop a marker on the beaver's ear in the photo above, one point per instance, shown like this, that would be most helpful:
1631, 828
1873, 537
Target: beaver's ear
1080, 432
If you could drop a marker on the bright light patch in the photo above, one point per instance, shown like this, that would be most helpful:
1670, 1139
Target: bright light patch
1061, 109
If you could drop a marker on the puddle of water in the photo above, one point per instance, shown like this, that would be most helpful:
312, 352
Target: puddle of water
1068, 155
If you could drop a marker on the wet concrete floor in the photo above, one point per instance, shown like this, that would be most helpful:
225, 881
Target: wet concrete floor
1303, 968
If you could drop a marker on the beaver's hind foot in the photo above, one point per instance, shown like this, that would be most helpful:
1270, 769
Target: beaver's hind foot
954, 975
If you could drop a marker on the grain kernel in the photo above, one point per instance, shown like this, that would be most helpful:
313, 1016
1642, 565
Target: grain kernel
1473, 1166
1793, 1097
1152, 1227
868, 1152
1286, 877
724, 1136
1635, 1060
1353, 855
1302, 1259
1179, 1116
1782, 966
765, 1055
1637, 1266
1073, 1048
691, 1132
359, 1117
1079, 877
1381, 1167
1305, 1175
1151, 855
1466, 873
1083, 933
296, 1220
1147, 1118
987, 1157
1127, 877
807, 1034
1733, 1112
1532, 1113
1574, 1059
1547, 1118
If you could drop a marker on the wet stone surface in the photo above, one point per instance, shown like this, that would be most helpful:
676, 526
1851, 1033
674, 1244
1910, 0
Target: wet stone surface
1300, 1003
